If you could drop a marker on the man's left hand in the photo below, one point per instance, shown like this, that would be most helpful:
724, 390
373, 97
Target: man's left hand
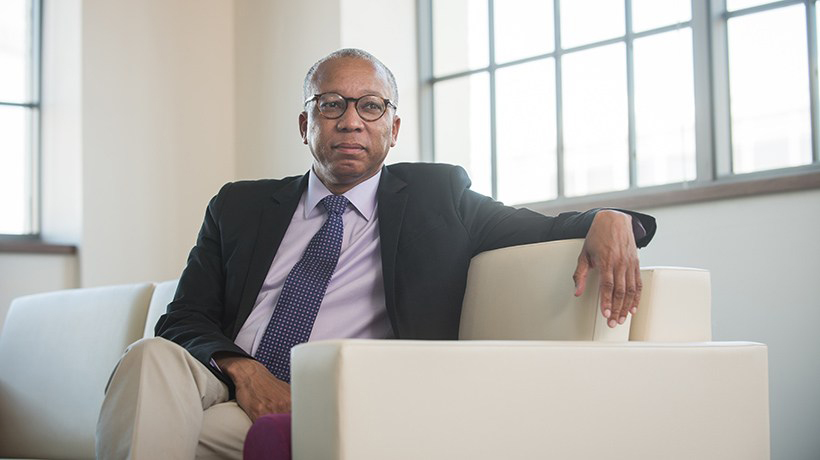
610, 247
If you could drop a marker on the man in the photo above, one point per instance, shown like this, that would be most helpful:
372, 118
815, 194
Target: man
398, 241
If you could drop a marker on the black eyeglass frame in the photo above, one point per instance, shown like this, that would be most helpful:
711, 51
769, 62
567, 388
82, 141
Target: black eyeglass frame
355, 101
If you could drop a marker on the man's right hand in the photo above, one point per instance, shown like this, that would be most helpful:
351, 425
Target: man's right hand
258, 392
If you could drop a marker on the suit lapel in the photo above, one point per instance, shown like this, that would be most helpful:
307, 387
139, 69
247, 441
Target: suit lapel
274, 220
391, 215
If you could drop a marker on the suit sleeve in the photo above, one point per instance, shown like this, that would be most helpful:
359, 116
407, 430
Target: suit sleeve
197, 318
492, 225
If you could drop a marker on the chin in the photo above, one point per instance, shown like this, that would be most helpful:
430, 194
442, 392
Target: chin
348, 167
346, 176
351, 174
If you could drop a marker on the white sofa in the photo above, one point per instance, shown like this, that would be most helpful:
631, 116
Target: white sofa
537, 374
57, 351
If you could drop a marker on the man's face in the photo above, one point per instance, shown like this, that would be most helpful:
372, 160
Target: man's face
348, 150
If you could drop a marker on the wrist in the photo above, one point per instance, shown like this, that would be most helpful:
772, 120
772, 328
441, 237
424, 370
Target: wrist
611, 214
236, 367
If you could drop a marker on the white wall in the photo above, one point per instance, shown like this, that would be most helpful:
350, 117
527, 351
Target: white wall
388, 31
157, 130
24, 274
276, 43
764, 256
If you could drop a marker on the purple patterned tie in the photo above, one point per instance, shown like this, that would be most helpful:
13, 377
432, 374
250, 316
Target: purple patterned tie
303, 292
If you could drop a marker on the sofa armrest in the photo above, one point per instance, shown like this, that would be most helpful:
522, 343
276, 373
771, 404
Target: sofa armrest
360, 399
162, 296
676, 306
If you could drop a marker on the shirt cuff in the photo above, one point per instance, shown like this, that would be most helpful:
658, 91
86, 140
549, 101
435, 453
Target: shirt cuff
637, 229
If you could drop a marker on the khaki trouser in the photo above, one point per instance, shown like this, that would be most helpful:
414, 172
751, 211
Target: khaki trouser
161, 403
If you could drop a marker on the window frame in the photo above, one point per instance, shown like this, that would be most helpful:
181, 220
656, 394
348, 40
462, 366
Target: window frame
713, 153
34, 105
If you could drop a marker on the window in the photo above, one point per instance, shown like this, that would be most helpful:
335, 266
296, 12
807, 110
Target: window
556, 100
769, 87
19, 115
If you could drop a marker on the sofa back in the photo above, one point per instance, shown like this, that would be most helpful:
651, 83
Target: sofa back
527, 293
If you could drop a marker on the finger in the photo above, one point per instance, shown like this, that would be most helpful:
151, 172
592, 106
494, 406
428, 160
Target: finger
638, 289
254, 416
618, 295
281, 406
254, 409
605, 289
580, 275
629, 298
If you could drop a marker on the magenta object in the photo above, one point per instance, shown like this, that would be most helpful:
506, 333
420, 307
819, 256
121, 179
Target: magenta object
268, 438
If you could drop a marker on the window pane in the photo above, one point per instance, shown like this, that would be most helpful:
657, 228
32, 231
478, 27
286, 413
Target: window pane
769, 87
664, 108
651, 14
523, 28
732, 5
15, 49
525, 126
590, 21
462, 127
14, 170
596, 157
460, 35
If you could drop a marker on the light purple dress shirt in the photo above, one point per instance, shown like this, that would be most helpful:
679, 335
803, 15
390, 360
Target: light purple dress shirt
354, 305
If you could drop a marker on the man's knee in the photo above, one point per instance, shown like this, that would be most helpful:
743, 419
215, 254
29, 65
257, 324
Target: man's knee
145, 352
152, 346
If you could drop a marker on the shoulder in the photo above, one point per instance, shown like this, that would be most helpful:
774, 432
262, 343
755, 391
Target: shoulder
247, 195
429, 174
257, 187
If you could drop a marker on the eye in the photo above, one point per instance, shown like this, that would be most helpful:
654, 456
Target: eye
371, 105
330, 105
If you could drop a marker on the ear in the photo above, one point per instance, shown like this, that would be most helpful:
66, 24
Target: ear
303, 123
395, 133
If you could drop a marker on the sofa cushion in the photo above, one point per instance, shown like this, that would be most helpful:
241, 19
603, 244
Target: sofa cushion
57, 351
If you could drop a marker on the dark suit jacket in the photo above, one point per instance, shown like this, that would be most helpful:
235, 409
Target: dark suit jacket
430, 225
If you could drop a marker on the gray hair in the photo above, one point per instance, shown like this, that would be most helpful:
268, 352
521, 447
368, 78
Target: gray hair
358, 54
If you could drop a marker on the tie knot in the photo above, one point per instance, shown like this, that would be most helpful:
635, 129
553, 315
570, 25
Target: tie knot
335, 204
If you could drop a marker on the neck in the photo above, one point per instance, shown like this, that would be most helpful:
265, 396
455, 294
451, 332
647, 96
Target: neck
339, 187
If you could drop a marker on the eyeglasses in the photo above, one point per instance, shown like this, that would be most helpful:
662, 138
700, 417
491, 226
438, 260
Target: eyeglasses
333, 105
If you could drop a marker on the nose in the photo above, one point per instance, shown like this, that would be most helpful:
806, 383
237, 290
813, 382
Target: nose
350, 120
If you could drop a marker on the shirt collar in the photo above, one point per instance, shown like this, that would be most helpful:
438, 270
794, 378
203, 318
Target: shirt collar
362, 196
